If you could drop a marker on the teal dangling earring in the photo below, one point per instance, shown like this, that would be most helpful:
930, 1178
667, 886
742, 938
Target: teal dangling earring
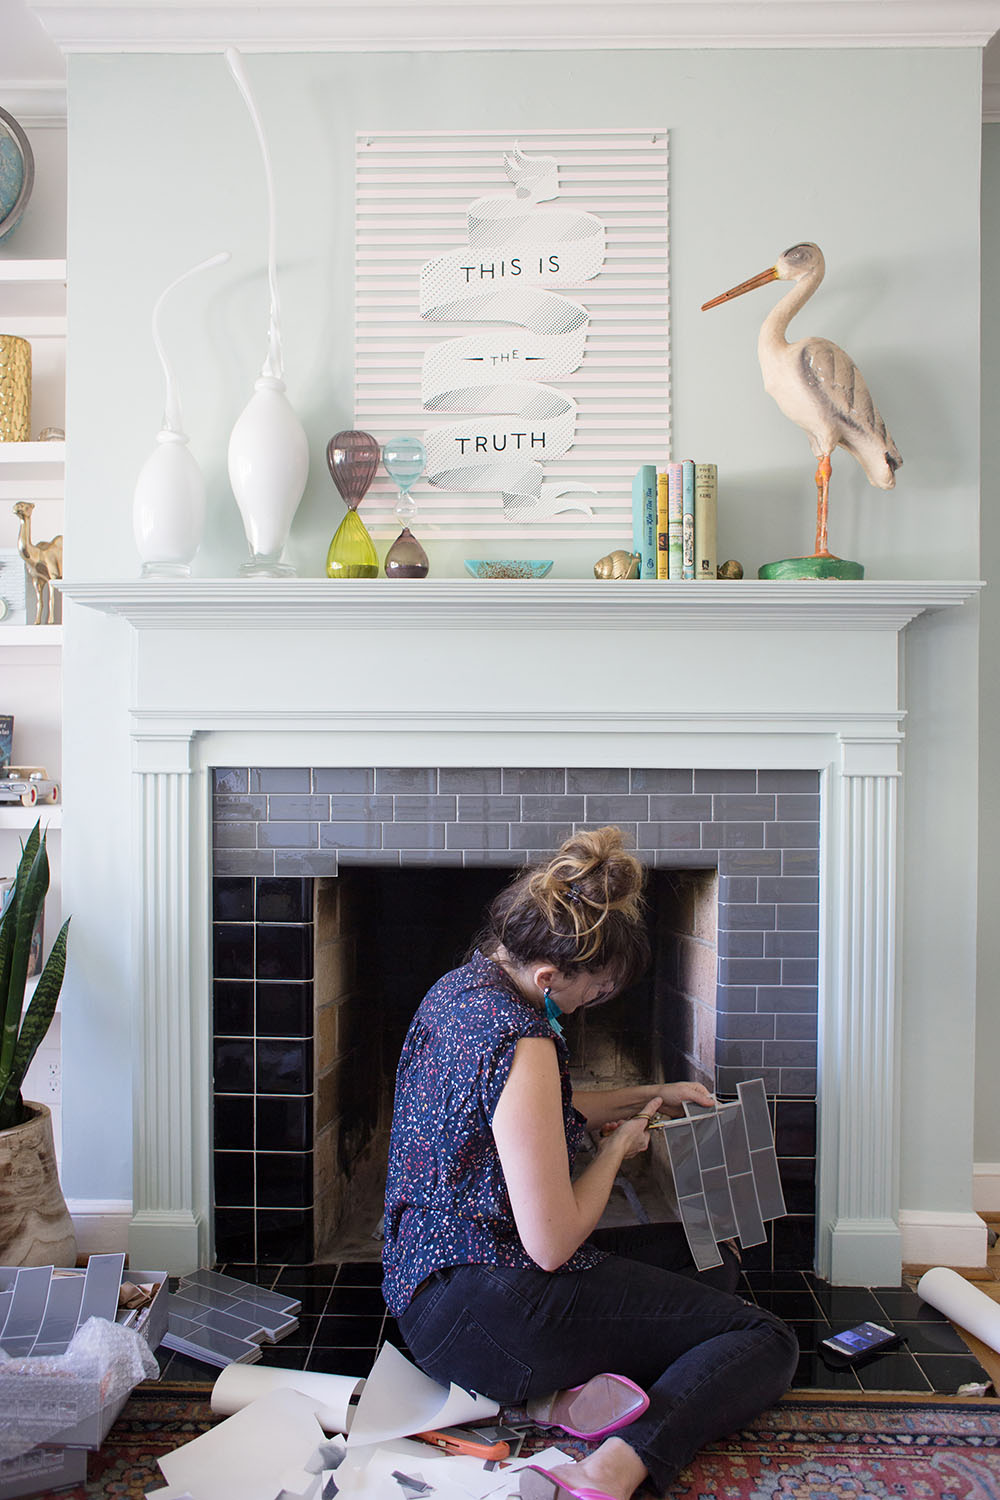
552, 1012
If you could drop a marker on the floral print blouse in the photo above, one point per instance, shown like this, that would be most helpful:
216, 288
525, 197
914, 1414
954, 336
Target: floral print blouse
446, 1201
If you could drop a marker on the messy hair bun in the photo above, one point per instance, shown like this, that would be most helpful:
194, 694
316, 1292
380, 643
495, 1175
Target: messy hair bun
582, 909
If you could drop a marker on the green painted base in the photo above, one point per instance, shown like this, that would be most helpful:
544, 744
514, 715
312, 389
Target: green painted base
812, 567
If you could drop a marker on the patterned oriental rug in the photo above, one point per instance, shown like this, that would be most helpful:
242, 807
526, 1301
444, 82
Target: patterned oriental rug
824, 1446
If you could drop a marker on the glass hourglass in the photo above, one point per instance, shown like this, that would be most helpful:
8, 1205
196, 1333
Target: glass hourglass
403, 459
352, 458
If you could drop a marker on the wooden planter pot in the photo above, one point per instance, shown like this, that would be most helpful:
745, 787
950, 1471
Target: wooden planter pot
35, 1226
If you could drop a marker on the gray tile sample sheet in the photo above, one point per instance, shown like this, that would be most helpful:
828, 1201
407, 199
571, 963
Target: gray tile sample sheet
101, 1287
62, 1312
725, 1172
222, 1321
27, 1308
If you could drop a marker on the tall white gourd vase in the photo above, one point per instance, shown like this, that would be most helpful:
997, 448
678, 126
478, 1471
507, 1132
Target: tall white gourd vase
168, 504
268, 448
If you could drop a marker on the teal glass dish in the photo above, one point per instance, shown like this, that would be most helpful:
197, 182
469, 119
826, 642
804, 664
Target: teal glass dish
508, 567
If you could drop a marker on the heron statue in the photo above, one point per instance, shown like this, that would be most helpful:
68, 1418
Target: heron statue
820, 388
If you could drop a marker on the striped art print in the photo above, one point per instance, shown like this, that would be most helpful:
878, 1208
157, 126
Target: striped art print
512, 295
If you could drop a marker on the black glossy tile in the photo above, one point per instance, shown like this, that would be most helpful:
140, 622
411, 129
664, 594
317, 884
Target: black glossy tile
233, 1066
391, 1332
232, 950
357, 1362
809, 1334
895, 1370
931, 1338
812, 1374
232, 1007
313, 1298
285, 1234
798, 1183
284, 1008
284, 1179
355, 1301
348, 1333
284, 900
901, 1302
360, 1273
304, 1334
792, 1307
946, 1372
793, 1242
284, 1124
320, 1275
847, 1305
232, 898
233, 1122
776, 1281
284, 1067
284, 952
795, 1127
235, 1237
284, 1356
233, 1179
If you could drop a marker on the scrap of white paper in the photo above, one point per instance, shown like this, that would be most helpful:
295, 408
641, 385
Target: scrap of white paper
248, 1456
398, 1399
330, 1395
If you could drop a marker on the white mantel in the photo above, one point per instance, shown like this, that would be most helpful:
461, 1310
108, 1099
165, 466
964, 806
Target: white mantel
557, 672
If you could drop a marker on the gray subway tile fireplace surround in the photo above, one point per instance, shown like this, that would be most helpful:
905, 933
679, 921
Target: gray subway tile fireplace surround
278, 830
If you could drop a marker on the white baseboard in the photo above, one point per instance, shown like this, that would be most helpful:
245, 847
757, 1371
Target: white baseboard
101, 1225
986, 1186
942, 1239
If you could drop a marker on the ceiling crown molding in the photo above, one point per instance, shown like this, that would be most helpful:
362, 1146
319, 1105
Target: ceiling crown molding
487, 25
36, 104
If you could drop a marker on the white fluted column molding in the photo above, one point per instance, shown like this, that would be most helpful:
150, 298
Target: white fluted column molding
866, 1243
169, 1229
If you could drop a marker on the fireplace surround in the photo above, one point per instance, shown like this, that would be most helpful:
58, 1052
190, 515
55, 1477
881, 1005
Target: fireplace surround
299, 982
713, 677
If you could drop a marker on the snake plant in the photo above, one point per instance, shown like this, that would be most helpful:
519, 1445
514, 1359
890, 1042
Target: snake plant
23, 1030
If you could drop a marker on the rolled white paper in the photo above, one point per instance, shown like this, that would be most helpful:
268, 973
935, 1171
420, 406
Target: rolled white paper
238, 1385
963, 1302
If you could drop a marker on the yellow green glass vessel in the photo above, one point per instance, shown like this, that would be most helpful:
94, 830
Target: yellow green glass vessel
352, 552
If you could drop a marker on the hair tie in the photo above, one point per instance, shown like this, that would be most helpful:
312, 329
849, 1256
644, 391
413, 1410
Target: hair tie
573, 892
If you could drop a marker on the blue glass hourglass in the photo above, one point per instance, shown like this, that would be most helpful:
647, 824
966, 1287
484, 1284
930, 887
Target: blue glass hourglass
403, 459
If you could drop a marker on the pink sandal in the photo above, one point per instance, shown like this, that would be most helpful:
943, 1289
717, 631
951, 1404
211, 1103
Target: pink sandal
539, 1484
595, 1409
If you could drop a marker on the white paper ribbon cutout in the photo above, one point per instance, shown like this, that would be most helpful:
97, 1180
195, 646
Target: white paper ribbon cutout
517, 254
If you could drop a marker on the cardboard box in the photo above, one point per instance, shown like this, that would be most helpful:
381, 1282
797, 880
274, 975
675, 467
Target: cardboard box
41, 1471
78, 1403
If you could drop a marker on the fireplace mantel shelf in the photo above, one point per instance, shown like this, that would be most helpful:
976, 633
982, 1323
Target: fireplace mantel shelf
308, 603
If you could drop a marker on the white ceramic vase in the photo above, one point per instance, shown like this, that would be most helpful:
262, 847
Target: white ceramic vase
168, 508
268, 469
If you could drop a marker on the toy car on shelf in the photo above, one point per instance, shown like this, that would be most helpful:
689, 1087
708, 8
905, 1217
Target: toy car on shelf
27, 785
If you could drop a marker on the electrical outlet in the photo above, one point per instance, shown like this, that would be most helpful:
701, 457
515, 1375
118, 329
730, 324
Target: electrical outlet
53, 1080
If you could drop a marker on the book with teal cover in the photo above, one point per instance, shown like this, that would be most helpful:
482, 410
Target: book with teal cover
644, 519
687, 520
675, 521
706, 500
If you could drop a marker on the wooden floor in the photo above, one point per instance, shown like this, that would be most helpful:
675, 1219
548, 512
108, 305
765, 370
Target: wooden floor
987, 1279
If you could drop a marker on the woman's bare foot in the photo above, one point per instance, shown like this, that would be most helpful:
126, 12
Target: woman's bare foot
615, 1469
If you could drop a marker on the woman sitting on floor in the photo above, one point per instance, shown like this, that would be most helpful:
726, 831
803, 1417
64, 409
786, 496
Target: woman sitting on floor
494, 1266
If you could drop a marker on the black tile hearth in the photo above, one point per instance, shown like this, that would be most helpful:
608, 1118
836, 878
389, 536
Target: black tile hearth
344, 1322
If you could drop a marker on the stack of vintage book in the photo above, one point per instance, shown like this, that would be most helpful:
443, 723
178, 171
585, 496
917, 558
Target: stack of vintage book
674, 520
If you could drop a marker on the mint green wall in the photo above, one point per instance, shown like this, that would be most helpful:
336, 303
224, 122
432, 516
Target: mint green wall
873, 154
987, 1138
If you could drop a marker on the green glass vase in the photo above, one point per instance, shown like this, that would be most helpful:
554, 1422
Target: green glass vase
352, 552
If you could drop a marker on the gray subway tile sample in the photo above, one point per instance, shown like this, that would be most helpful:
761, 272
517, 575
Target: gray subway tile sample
596, 779
288, 835
413, 836
608, 808
420, 809
677, 807
239, 809
352, 781
653, 779
469, 779
411, 779
280, 779
286, 809
477, 836
348, 807
733, 807
230, 780
350, 835
489, 809
532, 780
551, 808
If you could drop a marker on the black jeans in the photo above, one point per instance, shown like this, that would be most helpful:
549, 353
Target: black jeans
708, 1360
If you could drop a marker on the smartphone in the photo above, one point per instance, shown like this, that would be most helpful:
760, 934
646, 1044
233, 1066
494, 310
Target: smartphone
855, 1343
485, 1443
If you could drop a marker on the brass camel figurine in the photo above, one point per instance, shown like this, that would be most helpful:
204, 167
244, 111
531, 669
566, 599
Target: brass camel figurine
43, 560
